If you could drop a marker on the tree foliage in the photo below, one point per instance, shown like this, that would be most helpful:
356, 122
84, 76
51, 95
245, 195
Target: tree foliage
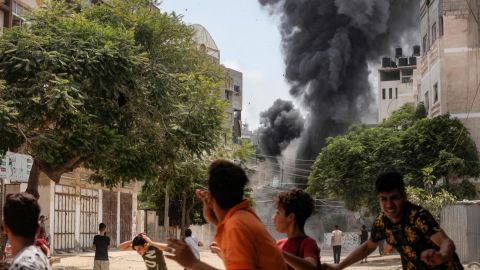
431, 198
407, 142
119, 88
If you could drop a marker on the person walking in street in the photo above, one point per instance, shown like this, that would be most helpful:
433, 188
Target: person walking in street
151, 252
101, 242
336, 241
408, 228
363, 239
20, 216
242, 239
193, 242
293, 209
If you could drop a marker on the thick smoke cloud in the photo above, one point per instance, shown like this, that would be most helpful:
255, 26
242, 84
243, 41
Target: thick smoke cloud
280, 124
327, 46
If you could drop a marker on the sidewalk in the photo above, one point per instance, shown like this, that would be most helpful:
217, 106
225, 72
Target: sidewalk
131, 260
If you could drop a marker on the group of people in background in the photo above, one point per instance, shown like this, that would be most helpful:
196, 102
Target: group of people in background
243, 242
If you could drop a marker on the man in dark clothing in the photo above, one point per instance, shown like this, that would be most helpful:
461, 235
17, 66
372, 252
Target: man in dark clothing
363, 239
151, 252
101, 242
409, 228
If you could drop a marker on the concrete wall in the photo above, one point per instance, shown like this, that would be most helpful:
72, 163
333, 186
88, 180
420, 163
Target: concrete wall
402, 93
460, 222
78, 180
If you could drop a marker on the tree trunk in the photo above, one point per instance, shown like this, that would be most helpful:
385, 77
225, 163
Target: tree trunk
184, 213
55, 174
33, 179
166, 220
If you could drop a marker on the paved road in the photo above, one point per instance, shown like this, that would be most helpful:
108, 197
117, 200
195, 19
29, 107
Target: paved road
131, 260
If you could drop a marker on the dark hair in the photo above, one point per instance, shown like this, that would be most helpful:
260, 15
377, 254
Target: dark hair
298, 202
188, 232
20, 214
138, 241
226, 183
390, 181
336, 227
102, 226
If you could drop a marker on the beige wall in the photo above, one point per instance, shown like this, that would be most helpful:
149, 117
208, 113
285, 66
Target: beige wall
406, 94
453, 62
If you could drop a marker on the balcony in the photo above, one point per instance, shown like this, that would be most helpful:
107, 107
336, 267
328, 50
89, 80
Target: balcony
430, 57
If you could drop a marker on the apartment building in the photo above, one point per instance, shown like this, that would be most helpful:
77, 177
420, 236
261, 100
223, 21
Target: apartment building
397, 82
232, 89
12, 12
449, 66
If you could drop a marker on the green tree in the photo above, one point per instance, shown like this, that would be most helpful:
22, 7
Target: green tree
407, 142
443, 144
119, 88
431, 198
348, 165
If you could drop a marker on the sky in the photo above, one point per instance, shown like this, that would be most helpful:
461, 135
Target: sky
249, 41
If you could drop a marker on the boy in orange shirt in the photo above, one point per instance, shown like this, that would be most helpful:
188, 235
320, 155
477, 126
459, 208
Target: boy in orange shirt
242, 238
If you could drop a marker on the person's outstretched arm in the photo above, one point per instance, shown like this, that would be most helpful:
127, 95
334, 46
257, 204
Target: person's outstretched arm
356, 255
127, 245
447, 248
298, 263
184, 256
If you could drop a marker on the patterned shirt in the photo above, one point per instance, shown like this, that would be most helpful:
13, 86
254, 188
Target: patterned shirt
30, 258
411, 236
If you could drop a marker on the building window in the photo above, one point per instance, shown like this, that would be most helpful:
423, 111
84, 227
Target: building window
396, 93
383, 93
435, 92
424, 44
389, 93
427, 102
440, 27
228, 96
434, 32
236, 88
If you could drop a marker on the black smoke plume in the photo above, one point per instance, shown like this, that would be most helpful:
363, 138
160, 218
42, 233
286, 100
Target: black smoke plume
327, 47
280, 124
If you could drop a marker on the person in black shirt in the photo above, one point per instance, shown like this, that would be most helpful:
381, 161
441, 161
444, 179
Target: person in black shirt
101, 242
151, 252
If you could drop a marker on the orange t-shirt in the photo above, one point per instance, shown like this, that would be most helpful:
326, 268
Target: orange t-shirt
245, 243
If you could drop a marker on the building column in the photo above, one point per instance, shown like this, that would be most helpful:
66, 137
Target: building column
51, 218
77, 217
100, 206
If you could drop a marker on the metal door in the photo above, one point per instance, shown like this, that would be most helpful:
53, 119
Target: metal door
88, 217
109, 203
64, 208
125, 217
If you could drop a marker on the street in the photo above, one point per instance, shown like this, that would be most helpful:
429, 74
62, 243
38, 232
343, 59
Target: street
131, 260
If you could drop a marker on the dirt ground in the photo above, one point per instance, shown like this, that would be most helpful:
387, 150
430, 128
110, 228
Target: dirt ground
131, 260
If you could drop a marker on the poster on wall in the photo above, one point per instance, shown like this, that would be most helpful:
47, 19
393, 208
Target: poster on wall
15, 167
